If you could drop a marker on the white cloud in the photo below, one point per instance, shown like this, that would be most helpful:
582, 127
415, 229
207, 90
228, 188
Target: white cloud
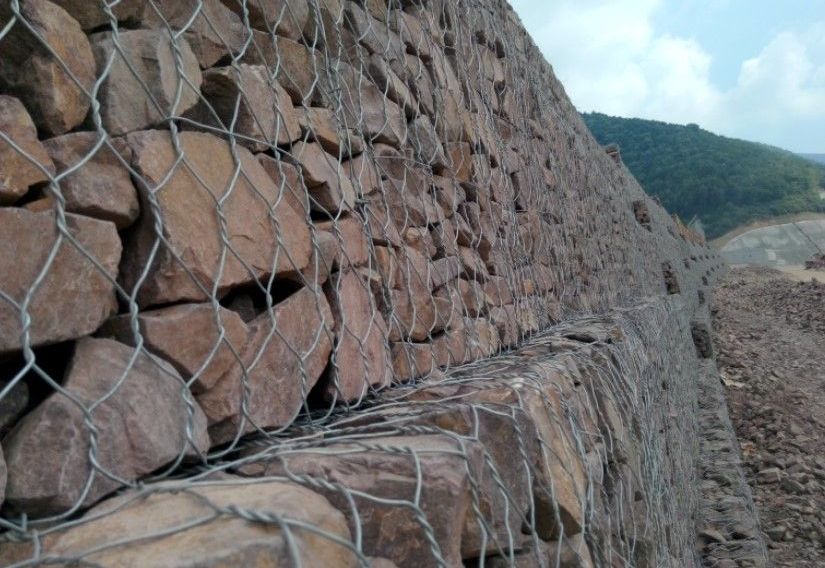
611, 59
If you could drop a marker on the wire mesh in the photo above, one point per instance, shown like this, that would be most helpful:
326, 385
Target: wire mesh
229, 226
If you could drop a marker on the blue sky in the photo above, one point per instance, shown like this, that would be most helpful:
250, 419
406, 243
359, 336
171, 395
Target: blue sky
752, 69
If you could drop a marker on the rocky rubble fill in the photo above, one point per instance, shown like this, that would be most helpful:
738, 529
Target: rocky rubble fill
770, 332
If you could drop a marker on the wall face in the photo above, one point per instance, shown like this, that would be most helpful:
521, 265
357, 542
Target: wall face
223, 226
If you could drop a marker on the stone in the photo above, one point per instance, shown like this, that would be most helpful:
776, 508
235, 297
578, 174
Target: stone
277, 369
18, 172
328, 185
75, 297
12, 405
175, 524
376, 117
504, 318
287, 178
444, 270
321, 125
102, 187
266, 235
281, 17
426, 144
142, 419
389, 530
92, 15
381, 73
571, 552
47, 68
350, 234
242, 101
143, 81
298, 66
361, 359
459, 160
419, 238
412, 360
212, 30
205, 356
363, 175
412, 316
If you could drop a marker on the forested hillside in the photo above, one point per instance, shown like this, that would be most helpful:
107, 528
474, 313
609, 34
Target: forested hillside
820, 158
724, 181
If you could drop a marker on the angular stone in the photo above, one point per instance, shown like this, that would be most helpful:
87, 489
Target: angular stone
366, 108
92, 15
196, 339
329, 187
17, 172
412, 360
75, 297
444, 270
384, 77
283, 359
449, 194
389, 530
212, 30
142, 84
243, 101
504, 318
363, 175
142, 421
13, 404
175, 524
298, 66
281, 17
350, 234
102, 187
570, 552
49, 67
287, 178
383, 229
412, 316
263, 230
361, 359
425, 142
419, 238
321, 125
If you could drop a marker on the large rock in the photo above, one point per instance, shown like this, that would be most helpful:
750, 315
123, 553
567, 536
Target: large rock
284, 358
199, 340
48, 67
298, 66
150, 80
3, 476
431, 470
243, 101
328, 185
101, 187
213, 31
361, 358
75, 297
140, 418
92, 15
17, 172
282, 17
177, 525
265, 234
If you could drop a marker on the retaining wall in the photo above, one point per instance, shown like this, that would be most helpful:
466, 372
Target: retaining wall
253, 247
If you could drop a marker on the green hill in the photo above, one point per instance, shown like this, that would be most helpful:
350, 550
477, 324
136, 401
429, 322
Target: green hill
820, 158
724, 181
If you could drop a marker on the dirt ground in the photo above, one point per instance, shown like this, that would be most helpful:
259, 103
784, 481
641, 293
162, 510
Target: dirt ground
769, 331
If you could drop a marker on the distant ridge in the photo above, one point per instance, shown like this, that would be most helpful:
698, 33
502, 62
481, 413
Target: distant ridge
819, 158
724, 181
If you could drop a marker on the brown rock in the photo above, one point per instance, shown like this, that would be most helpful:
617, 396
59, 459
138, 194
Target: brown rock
574, 553
426, 144
278, 368
287, 178
361, 357
243, 101
460, 160
74, 298
207, 354
211, 29
382, 228
412, 316
17, 172
13, 404
381, 73
3, 476
298, 66
321, 125
263, 230
449, 195
141, 420
92, 15
49, 67
366, 108
444, 270
419, 238
363, 175
412, 360
504, 318
282, 17
102, 187
175, 524
350, 234
329, 187
389, 530
141, 87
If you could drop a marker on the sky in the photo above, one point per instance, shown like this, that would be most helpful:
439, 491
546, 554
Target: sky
751, 69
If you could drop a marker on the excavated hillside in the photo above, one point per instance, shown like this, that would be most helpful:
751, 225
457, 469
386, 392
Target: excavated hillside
340, 283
